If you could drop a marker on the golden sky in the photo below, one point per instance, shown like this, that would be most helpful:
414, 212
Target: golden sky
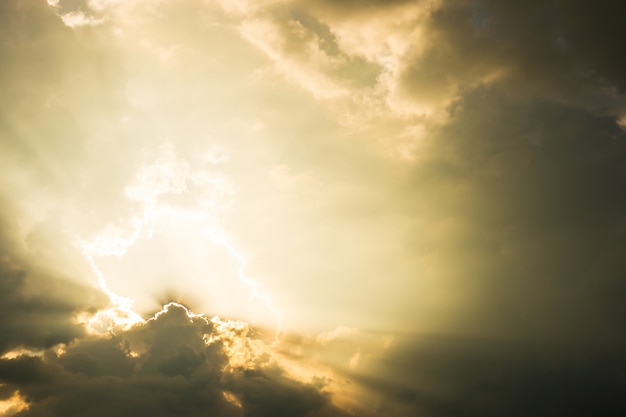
353, 208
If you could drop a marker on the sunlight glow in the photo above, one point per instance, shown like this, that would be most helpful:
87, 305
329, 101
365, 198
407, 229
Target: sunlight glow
232, 398
120, 315
257, 291
242, 350
16, 353
12, 405
203, 198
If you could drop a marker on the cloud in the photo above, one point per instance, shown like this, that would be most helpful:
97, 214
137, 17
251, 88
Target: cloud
297, 53
492, 179
524, 193
44, 285
78, 19
162, 367
444, 167
340, 332
423, 56
354, 360
445, 376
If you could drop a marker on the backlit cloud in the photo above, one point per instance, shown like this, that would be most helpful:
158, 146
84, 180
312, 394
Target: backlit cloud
373, 208
173, 363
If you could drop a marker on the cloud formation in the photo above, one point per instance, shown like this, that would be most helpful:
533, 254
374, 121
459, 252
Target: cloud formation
172, 364
441, 182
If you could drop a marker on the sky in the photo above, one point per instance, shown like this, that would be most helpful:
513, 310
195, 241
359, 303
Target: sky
319, 208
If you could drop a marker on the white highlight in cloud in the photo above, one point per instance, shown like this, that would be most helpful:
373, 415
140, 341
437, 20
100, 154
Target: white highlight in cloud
120, 316
172, 176
79, 19
16, 353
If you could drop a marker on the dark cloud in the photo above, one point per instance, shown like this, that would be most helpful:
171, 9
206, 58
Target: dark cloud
41, 291
161, 368
527, 198
568, 51
452, 376
270, 393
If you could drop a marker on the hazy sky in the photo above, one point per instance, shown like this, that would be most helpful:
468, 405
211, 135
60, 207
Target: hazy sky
358, 208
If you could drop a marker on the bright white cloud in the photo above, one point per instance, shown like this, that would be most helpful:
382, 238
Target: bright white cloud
79, 19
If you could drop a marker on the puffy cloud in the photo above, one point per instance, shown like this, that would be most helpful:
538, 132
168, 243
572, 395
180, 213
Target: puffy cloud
175, 363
